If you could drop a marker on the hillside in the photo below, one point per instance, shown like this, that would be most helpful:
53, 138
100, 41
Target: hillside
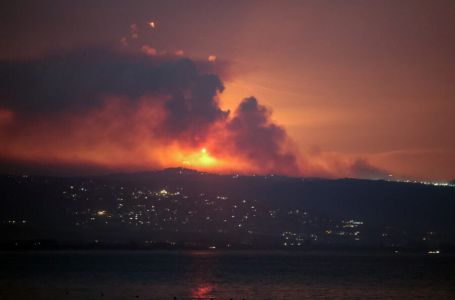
180, 207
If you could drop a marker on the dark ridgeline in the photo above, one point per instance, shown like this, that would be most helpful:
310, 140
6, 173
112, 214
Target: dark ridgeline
180, 208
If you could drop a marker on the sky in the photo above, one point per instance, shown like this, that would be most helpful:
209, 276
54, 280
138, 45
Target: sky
309, 88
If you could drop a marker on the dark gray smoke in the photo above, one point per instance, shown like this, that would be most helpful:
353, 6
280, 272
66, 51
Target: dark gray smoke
259, 139
80, 80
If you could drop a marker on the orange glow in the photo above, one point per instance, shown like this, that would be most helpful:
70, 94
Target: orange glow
149, 50
382, 91
116, 136
120, 136
201, 159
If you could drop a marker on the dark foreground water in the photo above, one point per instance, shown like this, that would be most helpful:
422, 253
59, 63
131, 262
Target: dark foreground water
223, 275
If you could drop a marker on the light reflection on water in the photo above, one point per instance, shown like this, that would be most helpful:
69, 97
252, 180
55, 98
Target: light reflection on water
201, 270
202, 291
223, 275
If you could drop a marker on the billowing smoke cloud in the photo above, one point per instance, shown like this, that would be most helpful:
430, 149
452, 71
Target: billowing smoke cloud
196, 108
123, 111
260, 139
98, 101
80, 80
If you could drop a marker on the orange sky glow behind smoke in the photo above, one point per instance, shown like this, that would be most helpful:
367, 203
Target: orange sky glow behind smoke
352, 89
114, 140
119, 137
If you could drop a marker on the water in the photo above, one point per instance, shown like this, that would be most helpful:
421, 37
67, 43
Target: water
223, 275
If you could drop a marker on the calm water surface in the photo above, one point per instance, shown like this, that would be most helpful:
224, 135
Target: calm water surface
223, 275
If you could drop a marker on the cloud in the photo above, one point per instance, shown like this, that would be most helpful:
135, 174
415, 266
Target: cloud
255, 136
80, 80
197, 108
125, 111
97, 106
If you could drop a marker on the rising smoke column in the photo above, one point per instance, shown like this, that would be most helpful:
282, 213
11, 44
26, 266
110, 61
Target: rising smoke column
256, 137
101, 100
123, 111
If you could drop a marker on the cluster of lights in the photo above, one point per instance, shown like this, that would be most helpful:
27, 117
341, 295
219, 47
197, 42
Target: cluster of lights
433, 183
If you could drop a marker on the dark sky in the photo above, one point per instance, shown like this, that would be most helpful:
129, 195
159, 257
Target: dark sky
357, 88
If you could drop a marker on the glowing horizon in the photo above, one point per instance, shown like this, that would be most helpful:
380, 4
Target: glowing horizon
149, 91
